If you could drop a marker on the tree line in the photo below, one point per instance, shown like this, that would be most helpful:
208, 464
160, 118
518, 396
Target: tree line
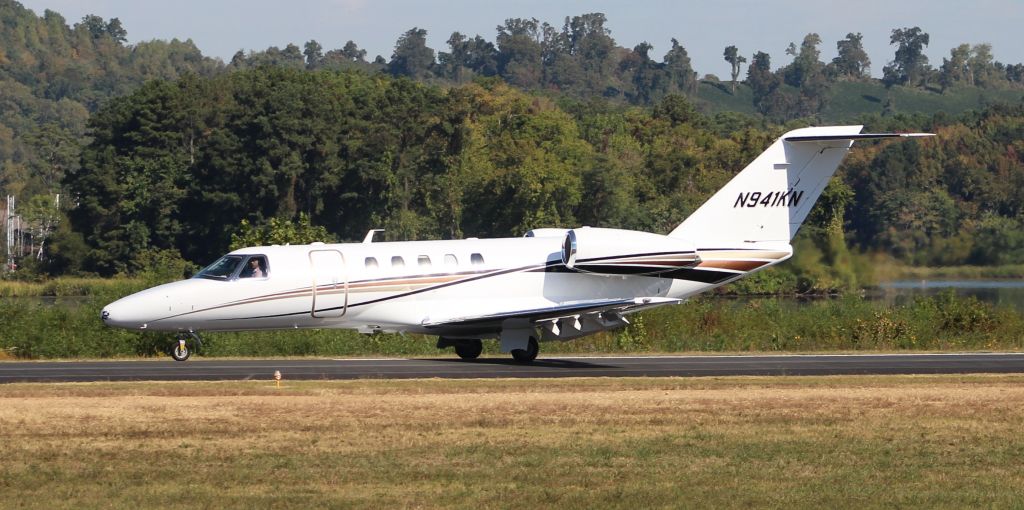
180, 165
161, 152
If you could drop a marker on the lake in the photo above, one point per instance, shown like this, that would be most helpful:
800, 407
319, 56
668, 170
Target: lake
1003, 293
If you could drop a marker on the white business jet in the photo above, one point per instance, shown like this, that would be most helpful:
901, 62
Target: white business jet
552, 284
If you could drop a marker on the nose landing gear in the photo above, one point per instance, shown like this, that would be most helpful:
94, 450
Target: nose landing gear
180, 351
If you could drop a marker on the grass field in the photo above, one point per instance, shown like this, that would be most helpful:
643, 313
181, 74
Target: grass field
879, 441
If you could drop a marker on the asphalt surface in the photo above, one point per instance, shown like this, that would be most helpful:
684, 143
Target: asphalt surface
452, 368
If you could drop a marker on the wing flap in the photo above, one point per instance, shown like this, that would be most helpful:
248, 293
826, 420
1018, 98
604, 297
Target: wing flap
569, 309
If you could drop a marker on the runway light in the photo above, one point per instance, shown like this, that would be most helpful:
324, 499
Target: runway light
277, 377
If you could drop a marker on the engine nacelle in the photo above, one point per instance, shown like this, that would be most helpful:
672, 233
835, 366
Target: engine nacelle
625, 252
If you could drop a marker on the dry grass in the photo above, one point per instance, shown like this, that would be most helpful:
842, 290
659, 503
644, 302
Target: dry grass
949, 441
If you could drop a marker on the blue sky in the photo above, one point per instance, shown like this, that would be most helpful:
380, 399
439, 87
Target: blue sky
704, 28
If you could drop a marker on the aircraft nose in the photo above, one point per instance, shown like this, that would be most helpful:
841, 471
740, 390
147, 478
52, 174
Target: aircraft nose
121, 314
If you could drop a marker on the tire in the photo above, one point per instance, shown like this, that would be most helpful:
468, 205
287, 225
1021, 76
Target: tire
469, 349
529, 354
180, 353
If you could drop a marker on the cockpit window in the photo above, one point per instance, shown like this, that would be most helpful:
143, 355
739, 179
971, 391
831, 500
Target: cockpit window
222, 269
255, 267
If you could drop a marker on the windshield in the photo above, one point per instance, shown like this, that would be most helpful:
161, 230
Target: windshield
222, 269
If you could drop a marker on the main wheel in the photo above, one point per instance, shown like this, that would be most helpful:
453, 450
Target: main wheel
469, 349
529, 354
180, 352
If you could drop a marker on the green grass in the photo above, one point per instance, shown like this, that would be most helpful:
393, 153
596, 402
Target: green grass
808, 442
67, 286
36, 330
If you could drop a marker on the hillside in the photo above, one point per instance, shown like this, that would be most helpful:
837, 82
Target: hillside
850, 100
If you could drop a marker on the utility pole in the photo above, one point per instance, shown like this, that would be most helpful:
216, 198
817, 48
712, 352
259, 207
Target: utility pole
9, 228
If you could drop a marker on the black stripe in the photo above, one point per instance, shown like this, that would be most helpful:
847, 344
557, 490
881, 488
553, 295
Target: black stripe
623, 270
822, 138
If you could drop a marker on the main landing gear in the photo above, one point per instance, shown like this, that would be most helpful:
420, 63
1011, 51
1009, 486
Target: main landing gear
180, 351
470, 349
528, 354
465, 348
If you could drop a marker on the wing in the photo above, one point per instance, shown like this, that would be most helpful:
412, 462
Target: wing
562, 321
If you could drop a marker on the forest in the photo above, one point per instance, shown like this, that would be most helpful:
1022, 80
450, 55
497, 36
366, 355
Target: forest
162, 156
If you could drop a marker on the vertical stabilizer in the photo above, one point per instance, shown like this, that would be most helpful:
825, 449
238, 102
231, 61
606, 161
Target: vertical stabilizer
771, 197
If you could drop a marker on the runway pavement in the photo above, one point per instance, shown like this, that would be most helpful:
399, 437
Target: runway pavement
556, 366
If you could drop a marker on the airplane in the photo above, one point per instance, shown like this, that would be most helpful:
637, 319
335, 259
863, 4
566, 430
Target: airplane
552, 284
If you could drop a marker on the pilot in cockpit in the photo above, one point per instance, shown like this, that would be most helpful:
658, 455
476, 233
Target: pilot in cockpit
252, 269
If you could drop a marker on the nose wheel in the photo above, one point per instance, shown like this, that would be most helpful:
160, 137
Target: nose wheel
181, 351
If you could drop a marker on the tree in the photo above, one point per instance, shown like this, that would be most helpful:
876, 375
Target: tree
984, 71
412, 57
649, 79
853, 62
98, 28
806, 73
956, 68
116, 31
910, 65
475, 55
681, 76
314, 54
762, 81
94, 25
520, 53
734, 59
806, 66
1015, 73
279, 231
132, 178
591, 46
353, 53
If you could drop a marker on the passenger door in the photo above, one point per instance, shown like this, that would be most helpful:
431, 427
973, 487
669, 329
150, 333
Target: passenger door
330, 283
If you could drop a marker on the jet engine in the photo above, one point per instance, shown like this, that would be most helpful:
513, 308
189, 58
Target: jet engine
625, 252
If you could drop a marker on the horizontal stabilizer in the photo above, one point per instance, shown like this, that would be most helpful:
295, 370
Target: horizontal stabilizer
859, 136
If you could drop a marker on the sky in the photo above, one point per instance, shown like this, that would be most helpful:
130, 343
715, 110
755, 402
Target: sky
221, 27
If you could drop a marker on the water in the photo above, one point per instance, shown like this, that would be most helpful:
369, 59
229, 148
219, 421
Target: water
1002, 293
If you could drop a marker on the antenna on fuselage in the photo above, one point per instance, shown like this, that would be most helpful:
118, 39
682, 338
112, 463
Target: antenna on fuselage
369, 235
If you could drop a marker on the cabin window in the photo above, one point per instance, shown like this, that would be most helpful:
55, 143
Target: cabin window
450, 260
255, 267
397, 262
476, 259
371, 263
423, 260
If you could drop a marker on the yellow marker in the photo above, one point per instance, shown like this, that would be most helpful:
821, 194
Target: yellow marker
277, 377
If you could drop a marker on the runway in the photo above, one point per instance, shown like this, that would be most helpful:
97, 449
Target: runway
558, 366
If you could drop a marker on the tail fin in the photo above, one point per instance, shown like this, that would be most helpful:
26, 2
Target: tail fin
771, 197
